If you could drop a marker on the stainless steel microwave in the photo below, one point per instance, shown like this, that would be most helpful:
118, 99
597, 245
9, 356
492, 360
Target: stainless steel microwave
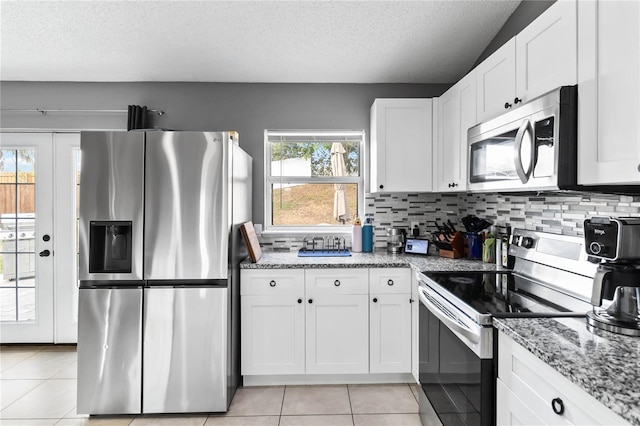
533, 147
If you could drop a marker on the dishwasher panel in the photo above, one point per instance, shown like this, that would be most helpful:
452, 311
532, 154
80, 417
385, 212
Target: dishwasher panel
185, 348
109, 350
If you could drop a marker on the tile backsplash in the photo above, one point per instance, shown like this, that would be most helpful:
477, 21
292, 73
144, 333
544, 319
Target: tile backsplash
555, 212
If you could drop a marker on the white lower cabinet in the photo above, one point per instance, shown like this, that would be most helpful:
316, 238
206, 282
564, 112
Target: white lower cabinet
390, 320
337, 334
326, 321
527, 385
272, 324
390, 333
511, 410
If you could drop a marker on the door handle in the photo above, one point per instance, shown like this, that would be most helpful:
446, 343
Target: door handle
44, 253
522, 174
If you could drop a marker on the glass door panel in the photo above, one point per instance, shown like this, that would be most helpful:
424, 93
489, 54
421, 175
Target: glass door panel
26, 216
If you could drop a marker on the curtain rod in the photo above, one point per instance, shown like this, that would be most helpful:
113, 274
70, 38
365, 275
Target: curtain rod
71, 111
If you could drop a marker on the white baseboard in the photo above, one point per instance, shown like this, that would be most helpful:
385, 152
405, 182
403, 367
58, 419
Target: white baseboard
327, 379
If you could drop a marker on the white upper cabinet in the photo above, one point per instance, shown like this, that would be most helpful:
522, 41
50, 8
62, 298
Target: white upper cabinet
401, 145
496, 82
546, 51
456, 112
609, 92
542, 57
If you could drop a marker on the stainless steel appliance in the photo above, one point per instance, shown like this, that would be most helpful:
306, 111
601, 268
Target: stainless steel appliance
616, 243
160, 244
395, 240
530, 148
551, 278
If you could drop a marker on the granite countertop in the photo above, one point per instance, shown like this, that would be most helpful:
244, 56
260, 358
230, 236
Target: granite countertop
377, 259
604, 364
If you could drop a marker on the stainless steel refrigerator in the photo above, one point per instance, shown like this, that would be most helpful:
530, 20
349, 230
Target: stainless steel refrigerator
160, 244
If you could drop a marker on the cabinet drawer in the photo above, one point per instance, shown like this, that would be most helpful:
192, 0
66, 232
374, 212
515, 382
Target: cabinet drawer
265, 282
533, 381
389, 280
337, 281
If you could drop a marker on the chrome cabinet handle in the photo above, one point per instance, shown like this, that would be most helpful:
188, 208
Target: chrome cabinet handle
336, 283
272, 283
558, 406
390, 282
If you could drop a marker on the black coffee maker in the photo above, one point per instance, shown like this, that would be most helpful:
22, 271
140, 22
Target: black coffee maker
615, 243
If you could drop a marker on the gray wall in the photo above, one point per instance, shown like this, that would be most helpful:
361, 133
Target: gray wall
247, 108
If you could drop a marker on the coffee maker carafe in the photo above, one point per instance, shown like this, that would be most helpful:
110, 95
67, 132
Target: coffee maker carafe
615, 243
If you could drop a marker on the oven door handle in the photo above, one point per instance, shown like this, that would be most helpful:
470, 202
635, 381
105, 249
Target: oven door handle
453, 325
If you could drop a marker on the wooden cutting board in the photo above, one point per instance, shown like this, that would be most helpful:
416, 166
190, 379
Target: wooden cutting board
251, 239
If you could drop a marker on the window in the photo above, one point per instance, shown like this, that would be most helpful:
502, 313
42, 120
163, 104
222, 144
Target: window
314, 179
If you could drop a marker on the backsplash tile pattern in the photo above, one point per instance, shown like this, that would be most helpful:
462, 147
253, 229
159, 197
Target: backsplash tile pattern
559, 213
555, 212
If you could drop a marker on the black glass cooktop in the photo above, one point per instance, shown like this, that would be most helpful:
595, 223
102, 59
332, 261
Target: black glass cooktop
500, 294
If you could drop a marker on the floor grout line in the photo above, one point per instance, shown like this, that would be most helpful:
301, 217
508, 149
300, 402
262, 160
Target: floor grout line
353, 420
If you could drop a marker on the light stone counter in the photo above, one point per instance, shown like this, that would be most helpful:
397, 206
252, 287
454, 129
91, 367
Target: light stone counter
378, 259
605, 365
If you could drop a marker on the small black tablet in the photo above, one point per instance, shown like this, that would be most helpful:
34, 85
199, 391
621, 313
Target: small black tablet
415, 246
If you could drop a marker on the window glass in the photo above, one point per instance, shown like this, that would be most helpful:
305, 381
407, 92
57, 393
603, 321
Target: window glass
313, 178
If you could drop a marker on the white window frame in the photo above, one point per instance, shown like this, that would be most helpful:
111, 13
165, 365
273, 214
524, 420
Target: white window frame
270, 180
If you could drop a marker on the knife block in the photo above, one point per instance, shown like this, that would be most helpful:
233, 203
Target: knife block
457, 247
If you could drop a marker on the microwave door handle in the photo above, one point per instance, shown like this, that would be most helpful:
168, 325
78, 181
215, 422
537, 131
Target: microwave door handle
453, 325
524, 128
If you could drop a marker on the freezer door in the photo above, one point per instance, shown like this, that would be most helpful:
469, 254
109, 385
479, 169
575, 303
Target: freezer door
111, 197
109, 351
185, 347
186, 206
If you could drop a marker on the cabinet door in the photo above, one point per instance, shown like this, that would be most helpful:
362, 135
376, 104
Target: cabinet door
546, 52
496, 82
337, 334
390, 333
447, 144
456, 113
272, 334
401, 145
609, 92
510, 410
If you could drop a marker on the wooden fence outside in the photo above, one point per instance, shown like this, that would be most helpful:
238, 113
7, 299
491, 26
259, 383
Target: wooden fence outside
25, 193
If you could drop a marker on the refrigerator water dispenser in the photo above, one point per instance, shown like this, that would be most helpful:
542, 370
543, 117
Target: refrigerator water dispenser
110, 247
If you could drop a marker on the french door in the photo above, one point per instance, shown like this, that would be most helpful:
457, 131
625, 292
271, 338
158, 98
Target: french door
38, 255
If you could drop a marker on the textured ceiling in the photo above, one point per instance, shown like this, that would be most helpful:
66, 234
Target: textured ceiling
246, 41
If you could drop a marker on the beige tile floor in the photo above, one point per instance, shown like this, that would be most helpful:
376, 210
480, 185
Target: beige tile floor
38, 388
